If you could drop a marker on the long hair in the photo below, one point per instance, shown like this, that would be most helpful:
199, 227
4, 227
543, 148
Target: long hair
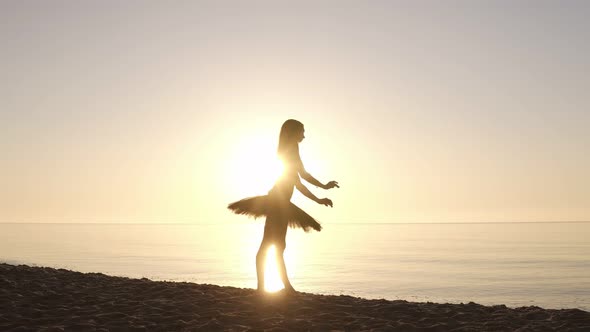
288, 146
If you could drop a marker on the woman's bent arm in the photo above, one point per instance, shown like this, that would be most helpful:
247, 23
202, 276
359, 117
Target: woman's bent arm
307, 177
303, 189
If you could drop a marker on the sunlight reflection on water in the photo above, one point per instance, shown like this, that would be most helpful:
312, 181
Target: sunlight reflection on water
514, 264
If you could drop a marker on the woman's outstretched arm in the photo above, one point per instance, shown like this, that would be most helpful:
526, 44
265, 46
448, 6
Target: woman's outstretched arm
309, 178
303, 189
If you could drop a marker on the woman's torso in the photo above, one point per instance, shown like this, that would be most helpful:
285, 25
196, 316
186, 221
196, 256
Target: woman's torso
285, 184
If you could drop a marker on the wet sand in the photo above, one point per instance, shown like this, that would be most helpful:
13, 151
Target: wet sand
46, 299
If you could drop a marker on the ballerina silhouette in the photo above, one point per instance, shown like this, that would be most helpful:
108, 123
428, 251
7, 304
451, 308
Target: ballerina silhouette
277, 206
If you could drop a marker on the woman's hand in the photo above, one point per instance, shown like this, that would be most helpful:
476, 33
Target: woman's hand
331, 185
325, 201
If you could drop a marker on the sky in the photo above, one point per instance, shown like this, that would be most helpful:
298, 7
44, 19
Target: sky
166, 111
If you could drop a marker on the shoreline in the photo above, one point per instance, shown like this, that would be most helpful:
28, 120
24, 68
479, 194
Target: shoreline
48, 299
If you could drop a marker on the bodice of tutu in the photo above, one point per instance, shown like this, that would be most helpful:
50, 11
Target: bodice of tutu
283, 188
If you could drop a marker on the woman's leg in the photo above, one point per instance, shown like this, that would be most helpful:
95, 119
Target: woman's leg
281, 244
260, 263
282, 268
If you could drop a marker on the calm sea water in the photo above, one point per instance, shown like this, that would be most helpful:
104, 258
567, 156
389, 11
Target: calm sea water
517, 264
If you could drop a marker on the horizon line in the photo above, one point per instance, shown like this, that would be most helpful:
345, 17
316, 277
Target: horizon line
328, 223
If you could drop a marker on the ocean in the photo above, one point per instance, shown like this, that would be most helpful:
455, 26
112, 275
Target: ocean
516, 264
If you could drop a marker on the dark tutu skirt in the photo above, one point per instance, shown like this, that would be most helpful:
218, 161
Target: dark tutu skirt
262, 206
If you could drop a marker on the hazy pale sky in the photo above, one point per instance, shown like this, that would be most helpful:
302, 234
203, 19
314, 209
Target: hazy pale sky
165, 111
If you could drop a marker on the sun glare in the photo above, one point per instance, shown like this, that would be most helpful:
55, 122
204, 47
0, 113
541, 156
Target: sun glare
253, 167
272, 280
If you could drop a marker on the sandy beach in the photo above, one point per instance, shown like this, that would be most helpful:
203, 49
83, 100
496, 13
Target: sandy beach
47, 299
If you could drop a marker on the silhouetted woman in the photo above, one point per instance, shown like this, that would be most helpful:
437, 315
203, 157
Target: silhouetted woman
277, 206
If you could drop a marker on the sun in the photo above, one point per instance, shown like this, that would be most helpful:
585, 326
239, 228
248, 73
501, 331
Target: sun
253, 167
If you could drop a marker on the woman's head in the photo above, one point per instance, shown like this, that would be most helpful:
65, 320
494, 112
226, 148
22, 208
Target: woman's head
292, 133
